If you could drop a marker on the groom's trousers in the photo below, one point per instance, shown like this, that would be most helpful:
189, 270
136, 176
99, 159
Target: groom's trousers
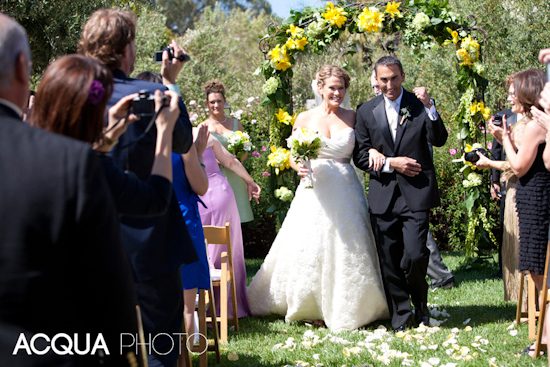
401, 242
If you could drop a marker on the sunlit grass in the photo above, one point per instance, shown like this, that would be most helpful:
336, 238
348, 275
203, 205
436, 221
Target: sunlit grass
478, 296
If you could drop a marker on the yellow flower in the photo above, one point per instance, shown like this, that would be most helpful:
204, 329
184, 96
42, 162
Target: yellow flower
300, 43
370, 20
473, 108
335, 15
295, 32
279, 158
290, 44
283, 65
393, 9
275, 54
464, 57
454, 34
284, 117
485, 111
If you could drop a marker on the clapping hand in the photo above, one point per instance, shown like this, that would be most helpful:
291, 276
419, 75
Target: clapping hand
201, 140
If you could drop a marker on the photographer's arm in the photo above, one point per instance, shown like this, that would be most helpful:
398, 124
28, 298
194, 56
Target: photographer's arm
485, 162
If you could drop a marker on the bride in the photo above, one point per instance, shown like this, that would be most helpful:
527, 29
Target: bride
323, 263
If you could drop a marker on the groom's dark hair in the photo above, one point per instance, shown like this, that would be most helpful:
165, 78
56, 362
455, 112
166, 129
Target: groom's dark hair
388, 61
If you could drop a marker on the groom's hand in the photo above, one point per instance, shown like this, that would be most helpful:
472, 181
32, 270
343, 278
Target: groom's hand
422, 94
406, 166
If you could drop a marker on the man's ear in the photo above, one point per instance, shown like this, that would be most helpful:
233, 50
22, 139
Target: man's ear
22, 69
403, 75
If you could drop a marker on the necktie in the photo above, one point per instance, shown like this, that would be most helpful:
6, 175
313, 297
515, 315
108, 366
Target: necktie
392, 115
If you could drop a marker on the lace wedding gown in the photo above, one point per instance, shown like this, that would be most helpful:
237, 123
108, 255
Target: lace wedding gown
323, 263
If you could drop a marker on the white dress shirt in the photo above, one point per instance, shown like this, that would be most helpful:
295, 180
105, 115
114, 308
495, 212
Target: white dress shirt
392, 114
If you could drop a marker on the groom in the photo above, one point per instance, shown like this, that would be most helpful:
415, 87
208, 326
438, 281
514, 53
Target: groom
399, 124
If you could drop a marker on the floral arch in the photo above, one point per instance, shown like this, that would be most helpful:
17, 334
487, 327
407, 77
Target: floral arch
422, 23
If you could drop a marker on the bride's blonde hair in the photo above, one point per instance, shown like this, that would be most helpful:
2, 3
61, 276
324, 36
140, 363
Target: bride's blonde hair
328, 71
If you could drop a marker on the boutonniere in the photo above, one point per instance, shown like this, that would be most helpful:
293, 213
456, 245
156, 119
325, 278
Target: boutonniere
405, 113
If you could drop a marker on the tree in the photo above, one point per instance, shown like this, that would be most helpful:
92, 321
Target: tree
183, 14
54, 27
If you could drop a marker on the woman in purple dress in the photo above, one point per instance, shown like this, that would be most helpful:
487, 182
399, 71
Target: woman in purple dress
221, 207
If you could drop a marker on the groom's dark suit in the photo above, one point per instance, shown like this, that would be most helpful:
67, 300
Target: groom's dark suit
399, 203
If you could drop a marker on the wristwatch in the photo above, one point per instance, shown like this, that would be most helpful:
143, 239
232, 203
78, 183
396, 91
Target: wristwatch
432, 102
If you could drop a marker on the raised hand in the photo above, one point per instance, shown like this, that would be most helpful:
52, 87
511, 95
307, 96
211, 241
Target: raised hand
168, 115
201, 140
422, 94
171, 68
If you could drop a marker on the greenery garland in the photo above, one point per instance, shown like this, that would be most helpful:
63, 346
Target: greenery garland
424, 24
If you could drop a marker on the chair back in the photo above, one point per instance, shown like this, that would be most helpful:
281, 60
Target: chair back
220, 236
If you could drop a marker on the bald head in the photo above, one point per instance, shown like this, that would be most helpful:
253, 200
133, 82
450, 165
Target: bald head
15, 57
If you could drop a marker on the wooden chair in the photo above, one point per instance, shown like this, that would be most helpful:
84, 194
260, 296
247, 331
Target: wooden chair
204, 302
542, 312
222, 236
141, 338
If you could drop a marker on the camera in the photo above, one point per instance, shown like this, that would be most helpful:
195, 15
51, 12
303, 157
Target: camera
144, 104
497, 120
158, 55
472, 156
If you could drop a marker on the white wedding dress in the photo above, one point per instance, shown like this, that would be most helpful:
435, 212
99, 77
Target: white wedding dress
323, 263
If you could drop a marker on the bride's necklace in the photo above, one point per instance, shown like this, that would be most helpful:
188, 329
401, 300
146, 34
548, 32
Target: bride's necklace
219, 122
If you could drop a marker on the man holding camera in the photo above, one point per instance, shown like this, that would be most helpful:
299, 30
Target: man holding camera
158, 246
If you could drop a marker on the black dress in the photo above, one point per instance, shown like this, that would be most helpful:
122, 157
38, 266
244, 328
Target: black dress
533, 208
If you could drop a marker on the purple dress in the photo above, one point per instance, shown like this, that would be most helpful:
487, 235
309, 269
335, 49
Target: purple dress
221, 207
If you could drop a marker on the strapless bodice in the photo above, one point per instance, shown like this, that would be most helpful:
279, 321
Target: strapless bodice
210, 162
339, 146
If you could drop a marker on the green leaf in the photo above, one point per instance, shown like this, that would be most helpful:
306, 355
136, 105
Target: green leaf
469, 202
271, 209
464, 132
266, 101
436, 21
288, 21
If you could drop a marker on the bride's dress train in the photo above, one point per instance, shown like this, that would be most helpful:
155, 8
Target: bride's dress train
323, 263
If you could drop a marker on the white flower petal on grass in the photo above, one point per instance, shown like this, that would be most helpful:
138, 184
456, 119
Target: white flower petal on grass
513, 332
466, 321
423, 348
468, 328
309, 334
434, 361
425, 364
407, 362
355, 350
434, 322
316, 357
512, 325
277, 346
449, 351
455, 330
476, 345
484, 341
433, 347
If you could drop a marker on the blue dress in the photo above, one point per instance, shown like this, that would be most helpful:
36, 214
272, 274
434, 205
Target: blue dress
194, 275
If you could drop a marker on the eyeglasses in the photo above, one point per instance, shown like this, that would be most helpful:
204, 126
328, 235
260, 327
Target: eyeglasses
511, 94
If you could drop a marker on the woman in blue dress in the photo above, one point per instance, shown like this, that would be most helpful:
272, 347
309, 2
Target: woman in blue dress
190, 180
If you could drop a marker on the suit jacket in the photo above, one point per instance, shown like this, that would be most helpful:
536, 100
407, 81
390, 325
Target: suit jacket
412, 137
498, 153
161, 244
62, 265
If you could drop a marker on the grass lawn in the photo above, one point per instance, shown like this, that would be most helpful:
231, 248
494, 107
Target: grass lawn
478, 297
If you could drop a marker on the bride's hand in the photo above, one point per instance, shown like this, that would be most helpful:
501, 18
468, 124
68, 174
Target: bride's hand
302, 170
377, 159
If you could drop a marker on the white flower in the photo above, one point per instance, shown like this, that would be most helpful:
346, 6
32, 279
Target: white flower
250, 99
253, 122
421, 21
513, 332
248, 105
192, 103
270, 86
434, 361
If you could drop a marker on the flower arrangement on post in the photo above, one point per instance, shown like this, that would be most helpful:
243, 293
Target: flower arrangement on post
304, 145
239, 143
